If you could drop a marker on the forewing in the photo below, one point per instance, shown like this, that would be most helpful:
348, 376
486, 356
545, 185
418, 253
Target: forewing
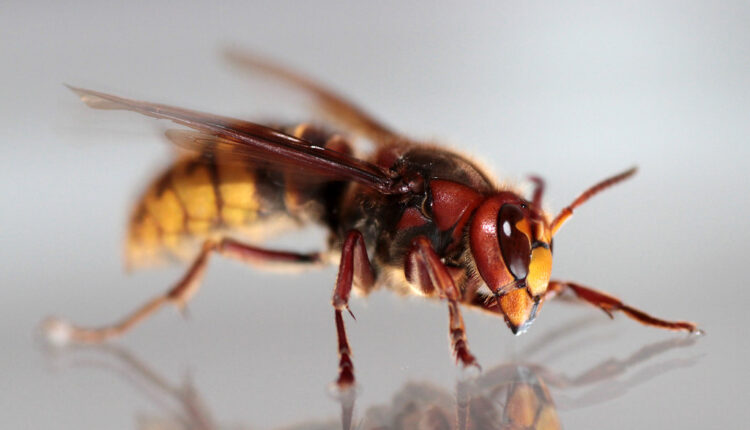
222, 151
245, 140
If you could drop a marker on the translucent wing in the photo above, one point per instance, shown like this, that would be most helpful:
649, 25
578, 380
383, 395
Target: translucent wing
244, 140
346, 113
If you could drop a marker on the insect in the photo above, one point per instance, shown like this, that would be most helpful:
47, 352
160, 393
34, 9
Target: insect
412, 217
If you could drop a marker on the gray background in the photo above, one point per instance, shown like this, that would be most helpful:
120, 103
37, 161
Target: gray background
573, 91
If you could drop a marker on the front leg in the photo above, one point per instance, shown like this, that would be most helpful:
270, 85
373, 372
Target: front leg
424, 268
611, 304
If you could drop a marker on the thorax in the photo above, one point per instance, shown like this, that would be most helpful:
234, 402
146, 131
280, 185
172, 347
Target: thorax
450, 188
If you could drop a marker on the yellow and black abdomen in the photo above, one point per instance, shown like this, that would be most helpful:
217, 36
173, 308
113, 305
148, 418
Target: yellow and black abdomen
199, 198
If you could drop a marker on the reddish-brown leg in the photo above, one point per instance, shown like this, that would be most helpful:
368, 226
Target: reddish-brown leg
178, 295
354, 267
424, 268
611, 304
253, 255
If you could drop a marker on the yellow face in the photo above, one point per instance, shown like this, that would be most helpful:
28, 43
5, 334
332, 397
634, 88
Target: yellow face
533, 237
514, 256
540, 265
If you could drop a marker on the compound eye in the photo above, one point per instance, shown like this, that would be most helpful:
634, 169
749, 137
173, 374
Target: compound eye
514, 233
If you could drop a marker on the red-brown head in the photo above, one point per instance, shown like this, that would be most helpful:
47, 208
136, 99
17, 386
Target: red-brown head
510, 240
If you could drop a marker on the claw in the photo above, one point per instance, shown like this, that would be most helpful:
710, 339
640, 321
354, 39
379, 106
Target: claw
346, 373
463, 355
57, 332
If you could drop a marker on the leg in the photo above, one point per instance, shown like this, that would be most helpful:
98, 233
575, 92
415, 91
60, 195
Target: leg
536, 198
611, 304
340, 109
354, 266
178, 295
423, 267
257, 256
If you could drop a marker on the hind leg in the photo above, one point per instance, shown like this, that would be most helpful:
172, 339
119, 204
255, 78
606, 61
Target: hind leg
179, 295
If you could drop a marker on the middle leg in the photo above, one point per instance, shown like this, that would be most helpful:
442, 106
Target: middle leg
423, 267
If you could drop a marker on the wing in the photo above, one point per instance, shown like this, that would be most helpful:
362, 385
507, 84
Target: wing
252, 142
337, 107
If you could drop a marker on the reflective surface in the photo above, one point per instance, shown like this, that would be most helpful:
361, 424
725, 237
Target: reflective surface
510, 395
572, 92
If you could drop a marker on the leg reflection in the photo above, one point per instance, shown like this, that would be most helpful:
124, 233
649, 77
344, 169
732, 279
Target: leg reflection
512, 395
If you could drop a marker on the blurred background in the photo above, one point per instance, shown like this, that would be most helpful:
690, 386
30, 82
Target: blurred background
572, 91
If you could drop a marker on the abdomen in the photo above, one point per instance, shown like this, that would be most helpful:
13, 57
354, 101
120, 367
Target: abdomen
199, 198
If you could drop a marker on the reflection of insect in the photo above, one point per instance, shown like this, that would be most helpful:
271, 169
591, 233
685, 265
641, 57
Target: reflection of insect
509, 396
415, 218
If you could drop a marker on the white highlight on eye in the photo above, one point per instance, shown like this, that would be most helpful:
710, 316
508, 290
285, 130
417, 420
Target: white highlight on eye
506, 228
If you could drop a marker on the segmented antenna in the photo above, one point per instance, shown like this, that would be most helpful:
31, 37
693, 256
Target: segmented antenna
568, 211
